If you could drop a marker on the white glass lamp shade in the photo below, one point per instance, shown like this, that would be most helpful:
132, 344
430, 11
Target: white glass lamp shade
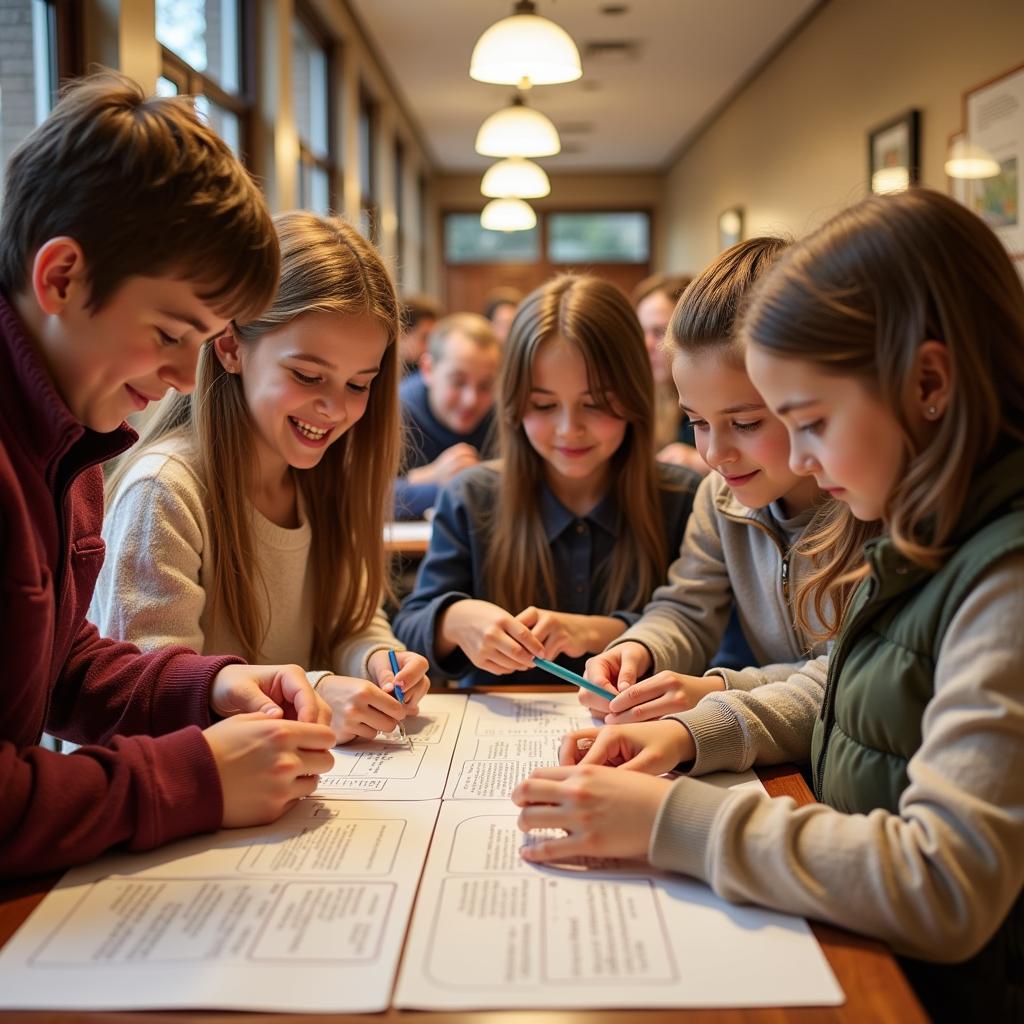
517, 131
517, 177
508, 215
525, 46
969, 160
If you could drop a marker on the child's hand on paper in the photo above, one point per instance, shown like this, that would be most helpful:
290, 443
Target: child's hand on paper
660, 695
606, 813
278, 691
266, 764
412, 676
615, 670
565, 633
361, 708
653, 747
489, 636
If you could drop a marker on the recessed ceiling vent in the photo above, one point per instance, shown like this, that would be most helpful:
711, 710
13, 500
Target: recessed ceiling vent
618, 51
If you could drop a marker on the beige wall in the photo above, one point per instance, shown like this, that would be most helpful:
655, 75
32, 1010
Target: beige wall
791, 148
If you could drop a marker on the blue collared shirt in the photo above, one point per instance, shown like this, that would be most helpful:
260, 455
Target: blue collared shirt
425, 438
581, 547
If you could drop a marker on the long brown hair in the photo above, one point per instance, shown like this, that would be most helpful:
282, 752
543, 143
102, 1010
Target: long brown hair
326, 266
858, 297
597, 319
146, 188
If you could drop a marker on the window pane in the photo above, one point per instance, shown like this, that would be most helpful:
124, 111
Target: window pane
166, 87
366, 133
598, 237
465, 241
320, 197
28, 71
310, 85
205, 34
314, 188
223, 122
400, 185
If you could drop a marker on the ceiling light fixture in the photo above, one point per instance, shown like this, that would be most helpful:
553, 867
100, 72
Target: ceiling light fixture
517, 131
968, 160
508, 215
525, 49
516, 177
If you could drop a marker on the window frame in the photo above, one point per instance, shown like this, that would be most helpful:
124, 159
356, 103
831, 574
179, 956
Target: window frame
190, 82
368, 200
304, 14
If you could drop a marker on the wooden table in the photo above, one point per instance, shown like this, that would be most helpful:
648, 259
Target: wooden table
410, 539
875, 988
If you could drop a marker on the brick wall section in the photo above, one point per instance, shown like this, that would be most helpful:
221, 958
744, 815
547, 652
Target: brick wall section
17, 103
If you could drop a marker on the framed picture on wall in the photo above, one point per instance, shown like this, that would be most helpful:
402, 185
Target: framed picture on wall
730, 227
994, 124
894, 154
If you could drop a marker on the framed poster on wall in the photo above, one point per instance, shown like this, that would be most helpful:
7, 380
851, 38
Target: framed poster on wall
994, 121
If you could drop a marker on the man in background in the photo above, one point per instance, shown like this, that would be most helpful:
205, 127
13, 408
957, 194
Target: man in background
447, 408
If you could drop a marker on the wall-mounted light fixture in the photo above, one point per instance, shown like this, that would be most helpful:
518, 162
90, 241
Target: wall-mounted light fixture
969, 160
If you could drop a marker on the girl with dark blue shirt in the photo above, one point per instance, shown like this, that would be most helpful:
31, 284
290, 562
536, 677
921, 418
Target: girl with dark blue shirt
553, 549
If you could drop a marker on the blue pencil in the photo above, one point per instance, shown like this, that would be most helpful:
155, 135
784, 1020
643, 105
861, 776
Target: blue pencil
399, 696
571, 677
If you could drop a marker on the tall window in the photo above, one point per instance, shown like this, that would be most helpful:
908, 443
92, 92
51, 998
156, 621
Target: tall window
367, 167
399, 168
201, 44
311, 76
28, 70
421, 225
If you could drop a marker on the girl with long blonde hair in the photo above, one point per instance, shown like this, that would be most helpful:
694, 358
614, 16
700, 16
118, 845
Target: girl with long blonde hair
249, 520
553, 549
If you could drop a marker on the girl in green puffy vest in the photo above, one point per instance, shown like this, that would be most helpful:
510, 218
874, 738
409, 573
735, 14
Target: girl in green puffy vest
891, 343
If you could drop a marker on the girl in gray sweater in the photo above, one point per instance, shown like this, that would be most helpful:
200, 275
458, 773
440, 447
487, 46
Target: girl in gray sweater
748, 516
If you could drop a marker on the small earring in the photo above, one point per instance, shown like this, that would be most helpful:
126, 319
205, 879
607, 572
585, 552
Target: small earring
931, 412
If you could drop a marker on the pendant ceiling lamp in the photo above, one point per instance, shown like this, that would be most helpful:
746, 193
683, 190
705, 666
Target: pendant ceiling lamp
517, 177
969, 160
525, 49
508, 215
517, 131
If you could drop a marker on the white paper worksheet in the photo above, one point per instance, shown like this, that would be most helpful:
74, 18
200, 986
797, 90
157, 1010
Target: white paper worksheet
493, 932
388, 768
505, 736
307, 914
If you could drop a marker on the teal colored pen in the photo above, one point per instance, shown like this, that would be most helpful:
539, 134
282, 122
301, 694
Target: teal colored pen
399, 696
571, 677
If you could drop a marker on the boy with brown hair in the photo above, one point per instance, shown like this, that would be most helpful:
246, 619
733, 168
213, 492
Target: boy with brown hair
129, 235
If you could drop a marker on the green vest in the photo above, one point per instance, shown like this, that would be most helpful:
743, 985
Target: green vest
881, 678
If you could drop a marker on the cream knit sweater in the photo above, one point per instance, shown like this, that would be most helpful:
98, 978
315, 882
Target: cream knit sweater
157, 573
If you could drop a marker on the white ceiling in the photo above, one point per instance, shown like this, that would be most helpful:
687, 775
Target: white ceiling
625, 114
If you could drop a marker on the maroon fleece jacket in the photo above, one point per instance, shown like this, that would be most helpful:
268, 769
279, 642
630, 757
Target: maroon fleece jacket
152, 777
